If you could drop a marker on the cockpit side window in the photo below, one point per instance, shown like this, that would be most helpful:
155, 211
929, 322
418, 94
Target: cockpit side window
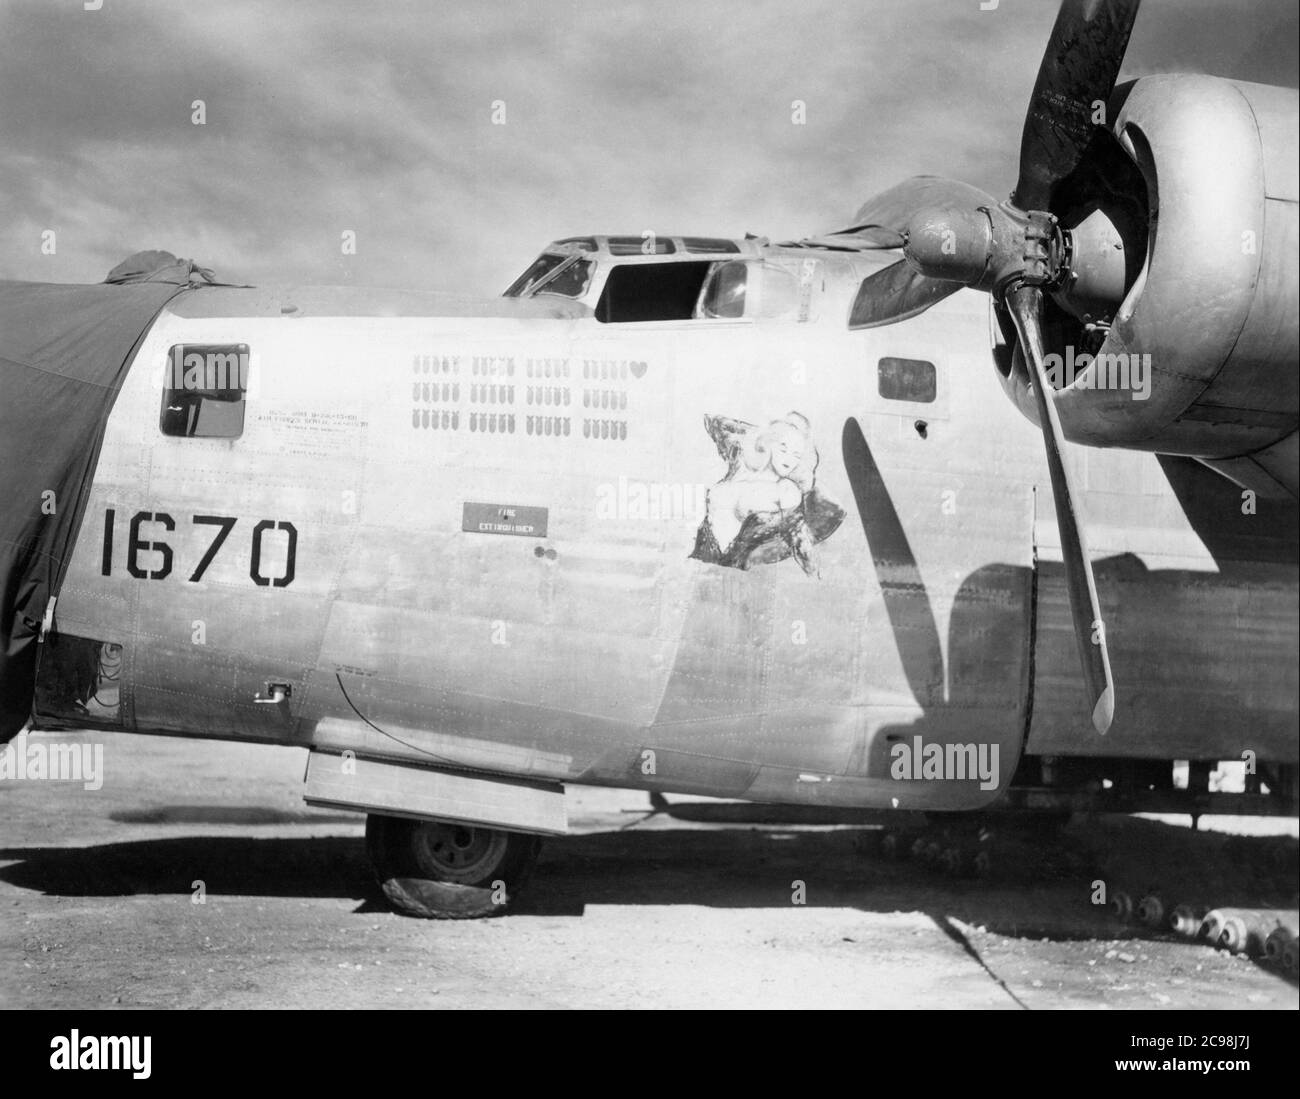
724, 293
652, 292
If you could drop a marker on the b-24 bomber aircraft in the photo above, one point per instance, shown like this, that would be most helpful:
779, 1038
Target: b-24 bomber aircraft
972, 504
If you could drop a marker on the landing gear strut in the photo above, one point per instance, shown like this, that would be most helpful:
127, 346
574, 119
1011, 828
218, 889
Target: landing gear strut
442, 870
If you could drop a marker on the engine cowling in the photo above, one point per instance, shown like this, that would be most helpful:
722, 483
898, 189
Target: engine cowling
1200, 356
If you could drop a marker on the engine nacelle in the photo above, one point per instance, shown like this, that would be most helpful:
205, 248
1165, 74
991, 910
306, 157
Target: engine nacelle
1206, 335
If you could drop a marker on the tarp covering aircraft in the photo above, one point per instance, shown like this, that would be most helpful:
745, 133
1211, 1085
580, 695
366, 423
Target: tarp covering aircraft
64, 350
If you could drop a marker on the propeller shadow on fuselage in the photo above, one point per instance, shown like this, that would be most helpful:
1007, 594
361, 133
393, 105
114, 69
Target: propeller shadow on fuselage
977, 642
958, 694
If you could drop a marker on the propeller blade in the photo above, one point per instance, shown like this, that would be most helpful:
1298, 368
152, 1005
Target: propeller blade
1079, 68
860, 238
1025, 304
895, 293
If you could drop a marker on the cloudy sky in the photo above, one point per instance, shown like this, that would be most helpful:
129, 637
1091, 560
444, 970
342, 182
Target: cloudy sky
673, 115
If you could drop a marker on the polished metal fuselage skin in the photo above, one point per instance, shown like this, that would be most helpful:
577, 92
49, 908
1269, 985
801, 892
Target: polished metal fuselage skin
603, 652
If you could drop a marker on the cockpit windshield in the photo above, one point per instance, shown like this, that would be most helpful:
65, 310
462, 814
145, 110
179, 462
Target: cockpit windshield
565, 276
569, 281
542, 266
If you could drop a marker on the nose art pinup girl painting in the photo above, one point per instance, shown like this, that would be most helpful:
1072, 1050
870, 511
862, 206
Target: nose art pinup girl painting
767, 507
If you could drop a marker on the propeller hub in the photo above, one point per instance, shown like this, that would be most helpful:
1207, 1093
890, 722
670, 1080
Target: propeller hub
987, 246
1028, 249
950, 242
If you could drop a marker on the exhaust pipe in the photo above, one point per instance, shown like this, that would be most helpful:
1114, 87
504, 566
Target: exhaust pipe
1211, 927
1275, 944
1151, 910
1240, 936
1186, 919
1246, 930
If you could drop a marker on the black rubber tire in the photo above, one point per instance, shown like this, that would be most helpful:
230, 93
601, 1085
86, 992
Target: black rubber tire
403, 855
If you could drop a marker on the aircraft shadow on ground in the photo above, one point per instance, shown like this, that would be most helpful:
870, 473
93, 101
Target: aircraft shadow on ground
325, 866
228, 814
1039, 895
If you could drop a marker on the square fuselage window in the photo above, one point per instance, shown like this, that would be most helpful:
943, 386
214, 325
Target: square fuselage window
205, 390
907, 380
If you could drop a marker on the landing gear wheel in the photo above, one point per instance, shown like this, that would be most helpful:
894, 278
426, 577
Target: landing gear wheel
440, 870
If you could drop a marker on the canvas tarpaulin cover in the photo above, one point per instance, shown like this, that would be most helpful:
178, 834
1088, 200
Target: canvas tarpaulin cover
64, 353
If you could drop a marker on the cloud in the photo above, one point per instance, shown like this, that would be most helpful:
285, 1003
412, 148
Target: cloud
674, 116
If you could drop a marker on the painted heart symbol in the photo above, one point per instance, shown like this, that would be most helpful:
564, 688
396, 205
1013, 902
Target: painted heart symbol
638, 369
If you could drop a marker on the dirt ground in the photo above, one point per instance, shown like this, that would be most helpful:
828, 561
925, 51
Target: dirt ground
98, 892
